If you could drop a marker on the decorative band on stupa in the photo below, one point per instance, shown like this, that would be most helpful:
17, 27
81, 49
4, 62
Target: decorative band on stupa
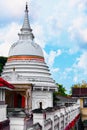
30, 58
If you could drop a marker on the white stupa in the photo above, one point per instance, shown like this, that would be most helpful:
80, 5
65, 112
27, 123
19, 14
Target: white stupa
26, 64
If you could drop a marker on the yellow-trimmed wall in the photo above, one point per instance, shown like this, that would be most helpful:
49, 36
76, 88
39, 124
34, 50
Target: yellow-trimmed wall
83, 110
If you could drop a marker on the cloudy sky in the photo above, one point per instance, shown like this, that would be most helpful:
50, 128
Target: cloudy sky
59, 27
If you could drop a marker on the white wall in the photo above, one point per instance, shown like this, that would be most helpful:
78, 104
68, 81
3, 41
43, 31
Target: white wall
16, 123
3, 113
45, 97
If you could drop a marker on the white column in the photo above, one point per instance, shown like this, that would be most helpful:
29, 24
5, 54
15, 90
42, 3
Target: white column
3, 95
3, 114
0, 94
26, 102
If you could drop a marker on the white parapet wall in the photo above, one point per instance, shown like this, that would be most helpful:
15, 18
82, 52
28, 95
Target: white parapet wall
3, 112
57, 119
17, 123
39, 118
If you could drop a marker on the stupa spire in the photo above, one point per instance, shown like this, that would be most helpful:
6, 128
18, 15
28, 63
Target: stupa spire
26, 31
26, 7
26, 24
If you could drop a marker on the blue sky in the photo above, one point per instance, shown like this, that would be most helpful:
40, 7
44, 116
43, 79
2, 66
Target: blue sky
59, 27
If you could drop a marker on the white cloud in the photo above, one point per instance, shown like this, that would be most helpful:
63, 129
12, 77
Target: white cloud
8, 35
78, 33
52, 55
82, 62
48, 27
75, 3
76, 27
39, 34
75, 79
79, 68
78, 4
12, 8
83, 34
73, 50
54, 70
54, 26
50, 59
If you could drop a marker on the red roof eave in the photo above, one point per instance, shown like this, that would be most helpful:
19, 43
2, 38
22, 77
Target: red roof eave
5, 84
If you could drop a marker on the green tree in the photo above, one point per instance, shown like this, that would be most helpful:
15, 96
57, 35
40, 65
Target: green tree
61, 91
2, 62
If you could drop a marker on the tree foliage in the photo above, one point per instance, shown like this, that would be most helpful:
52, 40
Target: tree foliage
2, 62
83, 84
61, 91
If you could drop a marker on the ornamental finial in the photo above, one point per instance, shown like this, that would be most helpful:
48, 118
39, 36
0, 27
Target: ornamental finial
26, 7
26, 24
26, 31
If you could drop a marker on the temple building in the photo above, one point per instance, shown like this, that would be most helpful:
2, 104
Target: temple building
26, 83
4, 121
27, 71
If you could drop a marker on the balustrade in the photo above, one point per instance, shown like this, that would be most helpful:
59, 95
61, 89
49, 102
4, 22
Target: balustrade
61, 119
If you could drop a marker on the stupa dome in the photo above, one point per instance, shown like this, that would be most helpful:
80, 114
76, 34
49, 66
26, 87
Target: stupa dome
25, 46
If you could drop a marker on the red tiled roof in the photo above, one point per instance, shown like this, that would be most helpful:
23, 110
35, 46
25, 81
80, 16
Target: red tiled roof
5, 84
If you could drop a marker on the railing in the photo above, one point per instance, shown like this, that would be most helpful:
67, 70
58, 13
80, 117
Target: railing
58, 119
48, 124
